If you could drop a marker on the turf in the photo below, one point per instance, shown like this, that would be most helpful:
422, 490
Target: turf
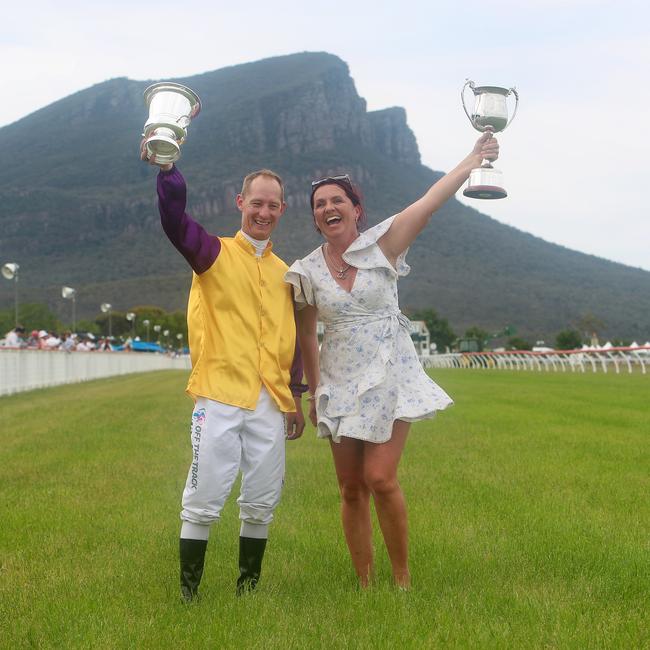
528, 508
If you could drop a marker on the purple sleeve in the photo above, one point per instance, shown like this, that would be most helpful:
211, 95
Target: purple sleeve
295, 383
190, 238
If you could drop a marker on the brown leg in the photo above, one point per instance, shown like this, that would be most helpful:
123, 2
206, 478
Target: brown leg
355, 505
380, 463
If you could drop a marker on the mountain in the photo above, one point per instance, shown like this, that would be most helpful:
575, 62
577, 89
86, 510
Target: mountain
79, 207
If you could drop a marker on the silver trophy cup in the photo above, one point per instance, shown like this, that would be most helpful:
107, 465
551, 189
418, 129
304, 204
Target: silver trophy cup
171, 109
490, 113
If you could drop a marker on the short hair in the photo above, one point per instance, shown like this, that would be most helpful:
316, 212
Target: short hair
246, 185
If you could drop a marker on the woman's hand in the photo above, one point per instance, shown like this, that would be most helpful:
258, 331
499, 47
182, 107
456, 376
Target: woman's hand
312, 412
486, 148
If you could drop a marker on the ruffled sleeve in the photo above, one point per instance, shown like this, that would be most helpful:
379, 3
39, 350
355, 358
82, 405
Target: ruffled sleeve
298, 277
364, 252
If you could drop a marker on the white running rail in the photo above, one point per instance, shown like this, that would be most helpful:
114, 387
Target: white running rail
22, 370
625, 358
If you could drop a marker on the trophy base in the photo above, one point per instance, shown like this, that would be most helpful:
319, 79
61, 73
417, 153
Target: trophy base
485, 183
485, 192
165, 148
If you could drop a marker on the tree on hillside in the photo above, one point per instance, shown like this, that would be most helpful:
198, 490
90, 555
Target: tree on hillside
517, 343
589, 325
476, 332
439, 329
119, 325
568, 340
89, 327
33, 316
175, 322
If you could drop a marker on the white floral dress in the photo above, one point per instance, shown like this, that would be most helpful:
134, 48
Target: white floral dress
370, 375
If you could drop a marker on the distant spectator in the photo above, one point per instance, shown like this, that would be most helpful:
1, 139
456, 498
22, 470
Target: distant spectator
52, 342
67, 342
33, 340
42, 338
15, 338
85, 345
104, 345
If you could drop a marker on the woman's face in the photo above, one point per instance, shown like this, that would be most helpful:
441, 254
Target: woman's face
335, 215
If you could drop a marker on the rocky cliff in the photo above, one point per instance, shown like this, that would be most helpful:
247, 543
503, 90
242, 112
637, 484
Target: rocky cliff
79, 207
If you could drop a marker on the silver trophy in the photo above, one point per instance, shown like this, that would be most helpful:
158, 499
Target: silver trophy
171, 109
490, 113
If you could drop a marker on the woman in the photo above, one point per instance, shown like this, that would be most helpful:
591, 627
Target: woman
367, 385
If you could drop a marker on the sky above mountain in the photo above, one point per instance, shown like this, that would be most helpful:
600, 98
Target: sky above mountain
574, 159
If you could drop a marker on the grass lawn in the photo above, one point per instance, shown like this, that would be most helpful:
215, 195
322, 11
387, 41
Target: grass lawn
528, 506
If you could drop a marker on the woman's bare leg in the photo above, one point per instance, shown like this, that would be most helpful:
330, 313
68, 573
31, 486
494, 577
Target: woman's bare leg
380, 463
355, 505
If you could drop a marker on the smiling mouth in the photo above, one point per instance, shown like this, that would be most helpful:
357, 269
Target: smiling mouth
262, 223
332, 220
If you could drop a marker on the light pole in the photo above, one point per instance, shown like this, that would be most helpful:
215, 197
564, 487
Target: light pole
131, 318
107, 308
10, 272
166, 335
156, 329
68, 293
146, 322
179, 336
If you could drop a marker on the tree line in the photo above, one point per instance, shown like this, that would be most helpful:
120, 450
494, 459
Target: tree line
570, 338
150, 323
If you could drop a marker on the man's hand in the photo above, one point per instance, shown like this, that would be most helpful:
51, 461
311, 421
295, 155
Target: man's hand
144, 155
295, 421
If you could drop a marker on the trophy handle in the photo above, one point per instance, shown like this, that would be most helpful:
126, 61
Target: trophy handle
516, 94
469, 83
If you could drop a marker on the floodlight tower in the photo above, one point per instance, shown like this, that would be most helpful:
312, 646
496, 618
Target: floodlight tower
10, 272
131, 318
107, 308
68, 293
146, 322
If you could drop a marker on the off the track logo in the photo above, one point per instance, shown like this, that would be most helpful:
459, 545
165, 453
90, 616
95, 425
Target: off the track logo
198, 420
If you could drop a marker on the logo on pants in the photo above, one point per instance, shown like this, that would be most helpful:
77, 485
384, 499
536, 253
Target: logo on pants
198, 420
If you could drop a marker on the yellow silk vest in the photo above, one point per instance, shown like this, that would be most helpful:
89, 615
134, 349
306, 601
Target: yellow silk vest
242, 332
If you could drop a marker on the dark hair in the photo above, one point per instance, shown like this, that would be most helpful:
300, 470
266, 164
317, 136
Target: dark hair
351, 191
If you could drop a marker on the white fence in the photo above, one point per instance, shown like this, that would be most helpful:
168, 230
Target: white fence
22, 370
616, 359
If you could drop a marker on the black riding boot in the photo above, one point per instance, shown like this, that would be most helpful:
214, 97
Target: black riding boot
251, 552
192, 554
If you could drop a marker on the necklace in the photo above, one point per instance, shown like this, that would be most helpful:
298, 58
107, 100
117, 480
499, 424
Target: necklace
341, 271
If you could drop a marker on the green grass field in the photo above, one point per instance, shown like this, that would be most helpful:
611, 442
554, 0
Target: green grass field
528, 505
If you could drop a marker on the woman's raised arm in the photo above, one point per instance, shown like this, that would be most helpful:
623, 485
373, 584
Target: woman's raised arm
411, 221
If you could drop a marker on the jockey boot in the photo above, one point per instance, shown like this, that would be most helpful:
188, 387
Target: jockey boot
251, 552
192, 556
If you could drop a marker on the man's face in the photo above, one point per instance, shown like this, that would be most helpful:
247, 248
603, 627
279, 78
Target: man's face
261, 207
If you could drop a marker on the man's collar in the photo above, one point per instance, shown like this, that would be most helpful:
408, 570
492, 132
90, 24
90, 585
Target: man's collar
248, 247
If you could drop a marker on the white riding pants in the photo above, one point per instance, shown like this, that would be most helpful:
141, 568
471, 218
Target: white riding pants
226, 439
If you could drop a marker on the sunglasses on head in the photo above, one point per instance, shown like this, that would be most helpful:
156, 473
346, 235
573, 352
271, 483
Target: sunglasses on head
345, 178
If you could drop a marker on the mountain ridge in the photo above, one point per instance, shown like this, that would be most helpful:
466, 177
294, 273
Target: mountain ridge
80, 208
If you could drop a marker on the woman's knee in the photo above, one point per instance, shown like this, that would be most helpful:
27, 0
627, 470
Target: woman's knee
353, 490
380, 483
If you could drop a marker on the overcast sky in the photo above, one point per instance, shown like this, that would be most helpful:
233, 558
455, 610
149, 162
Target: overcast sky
575, 159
